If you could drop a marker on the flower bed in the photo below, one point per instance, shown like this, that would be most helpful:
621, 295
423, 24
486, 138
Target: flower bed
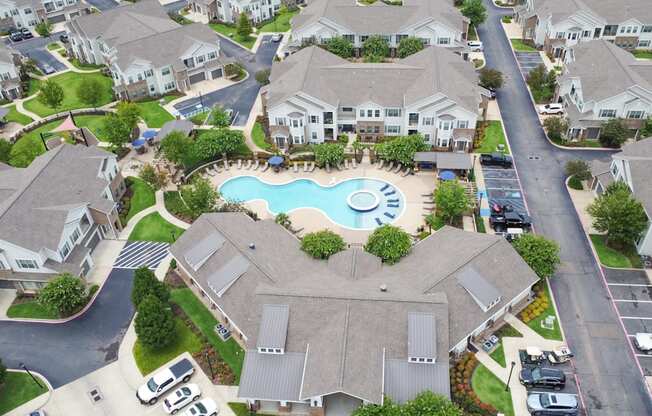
537, 307
462, 392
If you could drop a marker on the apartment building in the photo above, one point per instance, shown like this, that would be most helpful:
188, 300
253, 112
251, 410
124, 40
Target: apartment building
435, 22
325, 335
10, 87
602, 81
55, 211
558, 24
29, 13
147, 53
229, 10
314, 95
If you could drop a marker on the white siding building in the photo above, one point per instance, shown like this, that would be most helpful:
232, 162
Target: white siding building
229, 10
29, 13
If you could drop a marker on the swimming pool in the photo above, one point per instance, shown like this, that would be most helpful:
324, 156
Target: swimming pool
358, 203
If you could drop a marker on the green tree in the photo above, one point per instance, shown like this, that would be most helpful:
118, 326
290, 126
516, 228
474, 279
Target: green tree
200, 196
340, 47
329, 153
51, 94
619, 215
578, 168
388, 408
475, 11
5, 150
646, 130
409, 46
283, 220
542, 83
243, 28
154, 323
130, 113
401, 149
175, 147
65, 294
146, 284
322, 244
3, 373
491, 78
429, 403
541, 254
44, 29
375, 49
614, 132
90, 91
262, 76
389, 242
556, 127
219, 117
157, 179
451, 200
215, 142
116, 130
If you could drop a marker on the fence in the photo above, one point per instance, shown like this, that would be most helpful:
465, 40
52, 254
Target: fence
36, 124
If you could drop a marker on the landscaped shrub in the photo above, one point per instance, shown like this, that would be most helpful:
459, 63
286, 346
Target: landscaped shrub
462, 392
541, 254
145, 284
401, 149
578, 168
575, 183
329, 153
65, 294
154, 323
322, 244
390, 243
538, 305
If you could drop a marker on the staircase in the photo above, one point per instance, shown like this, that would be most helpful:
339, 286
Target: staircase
471, 191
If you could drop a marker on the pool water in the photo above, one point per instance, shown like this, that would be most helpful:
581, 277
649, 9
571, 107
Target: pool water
331, 200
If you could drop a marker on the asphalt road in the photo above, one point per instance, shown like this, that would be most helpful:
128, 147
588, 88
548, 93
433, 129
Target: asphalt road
65, 352
239, 97
609, 377
36, 49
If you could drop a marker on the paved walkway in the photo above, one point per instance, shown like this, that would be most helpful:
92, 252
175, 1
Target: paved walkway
21, 108
69, 65
7, 297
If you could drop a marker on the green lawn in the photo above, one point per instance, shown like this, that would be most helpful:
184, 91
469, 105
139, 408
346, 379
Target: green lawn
258, 136
82, 65
33, 86
281, 23
70, 81
230, 32
473, 35
240, 409
491, 390
142, 197
493, 136
519, 46
16, 117
54, 46
499, 353
31, 309
626, 258
535, 323
643, 54
230, 351
154, 228
174, 204
184, 340
153, 114
19, 388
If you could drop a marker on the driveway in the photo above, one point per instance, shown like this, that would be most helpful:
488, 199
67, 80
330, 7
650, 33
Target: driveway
36, 49
610, 381
239, 97
103, 4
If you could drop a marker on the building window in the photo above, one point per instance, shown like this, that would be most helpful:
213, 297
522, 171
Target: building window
313, 135
212, 55
393, 112
647, 29
370, 113
280, 121
560, 35
608, 113
28, 11
350, 38
75, 235
27, 264
64, 250
377, 113
643, 43
363, 38
635, 114
586, 33
428, 121
361, 113
444, 41
392, 129
165, 71
149, 73
314, 119
462, 124
347, 109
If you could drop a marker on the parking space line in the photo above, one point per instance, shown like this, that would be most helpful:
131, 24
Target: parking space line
632, 301
636, 317
643, 355
629, 284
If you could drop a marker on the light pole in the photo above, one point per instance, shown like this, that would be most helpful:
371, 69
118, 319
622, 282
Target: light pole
510, 376
210, 366
24, 367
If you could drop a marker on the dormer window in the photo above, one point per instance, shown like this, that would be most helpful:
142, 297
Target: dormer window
422, 338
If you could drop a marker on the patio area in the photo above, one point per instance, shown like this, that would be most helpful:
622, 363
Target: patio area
416, 190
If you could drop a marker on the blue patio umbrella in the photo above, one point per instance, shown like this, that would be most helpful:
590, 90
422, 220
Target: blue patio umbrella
447, 175
275, 160
138, 143
148, 134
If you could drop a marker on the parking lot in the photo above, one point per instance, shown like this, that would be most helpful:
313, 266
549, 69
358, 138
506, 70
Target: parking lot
502, 187
527, 61
631, 292
36, 49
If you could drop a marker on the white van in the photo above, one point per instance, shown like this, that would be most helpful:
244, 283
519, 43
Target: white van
475, 45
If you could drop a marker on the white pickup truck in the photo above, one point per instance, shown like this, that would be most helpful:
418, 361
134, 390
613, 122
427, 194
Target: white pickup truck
164, 380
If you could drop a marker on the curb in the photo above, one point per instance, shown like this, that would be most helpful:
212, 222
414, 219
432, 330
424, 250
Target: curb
47, 383
501, 7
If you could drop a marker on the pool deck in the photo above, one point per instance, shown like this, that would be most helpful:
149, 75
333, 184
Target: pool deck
413, 187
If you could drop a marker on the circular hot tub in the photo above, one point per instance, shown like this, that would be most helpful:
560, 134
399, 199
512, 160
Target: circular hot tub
363, 201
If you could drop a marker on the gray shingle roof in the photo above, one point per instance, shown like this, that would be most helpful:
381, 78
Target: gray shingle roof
273, 326
334, 80
7, 53
404, 380
271, 376
614, 12
639, 157
422, 335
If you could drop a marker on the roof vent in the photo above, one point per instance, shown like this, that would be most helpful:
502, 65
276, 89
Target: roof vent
252, 246
383, 287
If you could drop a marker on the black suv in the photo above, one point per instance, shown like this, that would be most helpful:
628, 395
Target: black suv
496, 159
503, 218
542, 377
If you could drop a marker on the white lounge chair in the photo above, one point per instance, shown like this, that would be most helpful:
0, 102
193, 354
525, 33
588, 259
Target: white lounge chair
381, 164
265, 167
346, 163
391, 165
312, 166
248, 165
328, 168
407, 172
354, 164
398, 168
226, 164
239, 164
256, 165
339, 166
305, 166
296, 167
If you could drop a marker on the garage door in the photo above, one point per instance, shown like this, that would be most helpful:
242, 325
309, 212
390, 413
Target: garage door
197, 77
57, 19
217, 73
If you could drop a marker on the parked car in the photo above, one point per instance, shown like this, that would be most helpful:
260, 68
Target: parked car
560, 355
47, 69
276, 37
496, 159
492, 93
542, 403
37, 413
475, 45
181, 397
63, 37
15, 35
508, 220
204, 407
542, 377
643, 342
26, 33
553, 108
531, 355
164, 380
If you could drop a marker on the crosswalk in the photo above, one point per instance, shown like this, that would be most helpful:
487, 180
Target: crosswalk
137, 254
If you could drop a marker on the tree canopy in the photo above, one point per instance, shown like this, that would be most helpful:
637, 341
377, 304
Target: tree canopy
578, 168
541, 254
200, 196
475, 11
65, 294
375, 49
175, 147
51, 94
328, 153
116, 130
145, 284
409, 46
340, 47
451, 200
90, 91
243, 28
401, 149
130, 113
217, 141
322, 244
389, 242
220, 118
491, 78
425, 403
542, 83
614, 132
154, 323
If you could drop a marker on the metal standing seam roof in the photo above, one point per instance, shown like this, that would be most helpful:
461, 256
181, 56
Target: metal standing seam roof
455, 161
273, 326
404, 380
220, 280
206, 247
482, 291
422, 335
272, 376
183, 126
